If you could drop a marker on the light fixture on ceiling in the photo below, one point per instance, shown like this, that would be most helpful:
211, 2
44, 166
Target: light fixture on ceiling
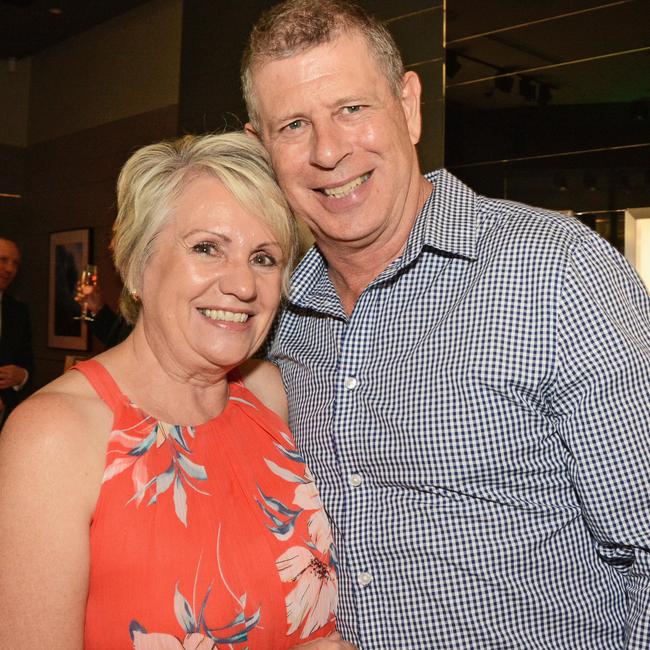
55, 11
589, 181
560, 182
641, 111
503, 83
527, 89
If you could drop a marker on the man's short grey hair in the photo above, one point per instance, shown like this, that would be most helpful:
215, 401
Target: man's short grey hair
295, 26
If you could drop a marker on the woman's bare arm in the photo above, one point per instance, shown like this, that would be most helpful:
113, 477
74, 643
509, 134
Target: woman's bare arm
51, 463
263, 379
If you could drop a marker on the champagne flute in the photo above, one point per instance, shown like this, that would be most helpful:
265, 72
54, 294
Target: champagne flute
88, 278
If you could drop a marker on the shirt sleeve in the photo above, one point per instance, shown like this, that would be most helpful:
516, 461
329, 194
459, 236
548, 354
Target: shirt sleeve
110, 328
601, 403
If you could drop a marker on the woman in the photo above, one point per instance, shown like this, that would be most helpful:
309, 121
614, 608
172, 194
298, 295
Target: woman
150, 498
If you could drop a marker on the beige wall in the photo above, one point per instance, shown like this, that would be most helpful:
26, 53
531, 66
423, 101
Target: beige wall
14, 102
126, 66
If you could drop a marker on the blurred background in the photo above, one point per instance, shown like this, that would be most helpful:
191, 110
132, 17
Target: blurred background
542, 102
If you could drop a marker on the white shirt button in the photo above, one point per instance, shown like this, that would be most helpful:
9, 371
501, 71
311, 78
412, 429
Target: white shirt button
355, 480
364, 579
350, 383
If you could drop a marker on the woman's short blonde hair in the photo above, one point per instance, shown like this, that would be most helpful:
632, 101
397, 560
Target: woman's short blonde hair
154, 177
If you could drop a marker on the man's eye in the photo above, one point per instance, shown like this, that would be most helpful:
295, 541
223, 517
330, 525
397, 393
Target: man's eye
294, 126
264, 259
352, 109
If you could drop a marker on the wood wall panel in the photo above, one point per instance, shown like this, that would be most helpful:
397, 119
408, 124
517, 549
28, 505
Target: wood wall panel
12, 169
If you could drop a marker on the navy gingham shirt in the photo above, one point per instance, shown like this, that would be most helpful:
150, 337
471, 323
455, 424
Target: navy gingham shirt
479, 431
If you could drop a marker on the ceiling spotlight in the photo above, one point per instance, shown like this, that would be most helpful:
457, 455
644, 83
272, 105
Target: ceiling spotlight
527, 89
641, 111
560, 182
589, 181
504, 84
452, 65
55, 11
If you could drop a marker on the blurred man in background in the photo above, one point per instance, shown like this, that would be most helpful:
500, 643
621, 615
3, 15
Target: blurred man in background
16, 358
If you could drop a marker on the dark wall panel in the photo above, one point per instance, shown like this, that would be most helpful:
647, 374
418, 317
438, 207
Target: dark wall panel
214, 35
71, 184
12, 181
419, 35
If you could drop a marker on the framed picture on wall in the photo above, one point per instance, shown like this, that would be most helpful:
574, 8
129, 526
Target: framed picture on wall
69, 251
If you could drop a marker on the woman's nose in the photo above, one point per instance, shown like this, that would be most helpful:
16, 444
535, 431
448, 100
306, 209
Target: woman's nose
238, 279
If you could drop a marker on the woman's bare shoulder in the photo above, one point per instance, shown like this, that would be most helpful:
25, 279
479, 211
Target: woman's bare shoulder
52, 457
263, 379
66, 415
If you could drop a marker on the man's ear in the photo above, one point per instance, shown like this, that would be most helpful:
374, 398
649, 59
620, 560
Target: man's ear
411, 92
250, 130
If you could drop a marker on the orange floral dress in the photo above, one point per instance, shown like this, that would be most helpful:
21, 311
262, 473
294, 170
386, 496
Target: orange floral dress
209, 536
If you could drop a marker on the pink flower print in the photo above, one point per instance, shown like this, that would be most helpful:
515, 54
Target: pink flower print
157, 641
307, 498
314, 598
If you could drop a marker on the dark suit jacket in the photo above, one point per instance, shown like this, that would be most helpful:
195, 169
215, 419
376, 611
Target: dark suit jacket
15, 345
109, 327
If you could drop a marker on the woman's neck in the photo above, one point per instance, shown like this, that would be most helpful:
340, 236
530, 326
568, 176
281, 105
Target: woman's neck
163, 387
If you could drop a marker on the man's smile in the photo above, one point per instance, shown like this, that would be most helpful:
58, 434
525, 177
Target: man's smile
343, 190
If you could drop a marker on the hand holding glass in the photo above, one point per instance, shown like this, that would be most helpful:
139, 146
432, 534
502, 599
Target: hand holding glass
88, 278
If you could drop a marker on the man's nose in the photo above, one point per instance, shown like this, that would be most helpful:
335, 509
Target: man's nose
330, 144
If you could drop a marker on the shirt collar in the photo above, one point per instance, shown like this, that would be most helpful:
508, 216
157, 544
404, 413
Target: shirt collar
448, 220
447, 224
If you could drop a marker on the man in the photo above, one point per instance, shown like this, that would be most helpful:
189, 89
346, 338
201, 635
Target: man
16, 359
468, 378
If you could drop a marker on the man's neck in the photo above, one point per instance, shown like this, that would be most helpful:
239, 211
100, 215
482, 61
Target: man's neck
351, 271
352, 267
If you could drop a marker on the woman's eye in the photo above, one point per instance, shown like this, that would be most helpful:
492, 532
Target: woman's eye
264, 259
205, 248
